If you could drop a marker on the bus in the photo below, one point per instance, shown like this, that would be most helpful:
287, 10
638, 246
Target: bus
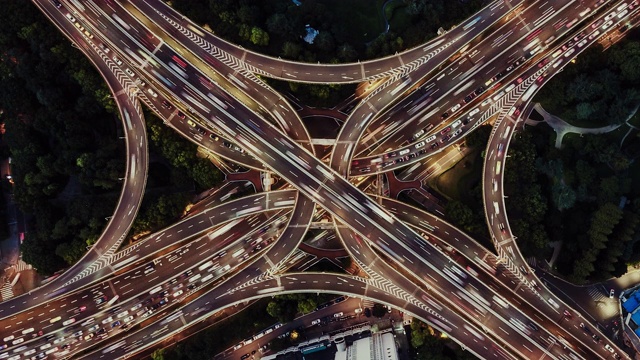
205, 265
155, 290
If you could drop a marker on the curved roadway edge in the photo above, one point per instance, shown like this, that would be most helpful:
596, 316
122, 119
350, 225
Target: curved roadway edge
290, 122
215, 301
133, 189
403, 288
202, 222
367, 110
278, 68
474, 254
511, 254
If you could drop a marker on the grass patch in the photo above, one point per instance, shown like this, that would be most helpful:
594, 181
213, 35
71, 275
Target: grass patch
363, 18
462, 176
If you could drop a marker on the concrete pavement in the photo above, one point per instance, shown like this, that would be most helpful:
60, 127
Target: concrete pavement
562, 128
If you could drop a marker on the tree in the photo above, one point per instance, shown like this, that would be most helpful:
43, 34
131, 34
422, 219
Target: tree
158, 354
347, 53
378, 310
291, 50
324, 41
259, 36
279, 24
459, 213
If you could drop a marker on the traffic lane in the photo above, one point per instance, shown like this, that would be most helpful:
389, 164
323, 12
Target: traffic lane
493, 191
319, 166
125, 285
303, 282
443, 297
292, 235
114, 229
475, 48
404, 133
268, 102
119, 285
190, 225
344, 147
116, 31
296, 71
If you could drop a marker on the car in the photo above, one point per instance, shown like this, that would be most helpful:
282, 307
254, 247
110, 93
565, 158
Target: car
77, 333
367, 312
315, 322
162, 302
94, 328
104, 48
227, 144
338, 314
59, 340
128, 318
101, 300
129, 72
444, 115
455, 108
606, 346
178, 293
524, 270
117, 323
89, 337
116, 60
123, 314
445, 130
358, 311
567, 313
152, 93
57, 3
70, 17
164, 293
101, 331
167, 105
136, 307
107, 320
245, 356
214, 137
595, 338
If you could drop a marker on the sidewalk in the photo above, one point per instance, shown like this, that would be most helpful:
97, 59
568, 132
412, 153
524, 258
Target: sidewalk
562, 128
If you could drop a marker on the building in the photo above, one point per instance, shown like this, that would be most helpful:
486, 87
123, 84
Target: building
355, 343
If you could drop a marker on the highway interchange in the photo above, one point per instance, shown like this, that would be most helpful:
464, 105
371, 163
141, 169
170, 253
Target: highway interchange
114, 304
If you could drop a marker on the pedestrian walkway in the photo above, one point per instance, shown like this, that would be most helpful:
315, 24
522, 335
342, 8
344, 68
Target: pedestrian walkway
562, 128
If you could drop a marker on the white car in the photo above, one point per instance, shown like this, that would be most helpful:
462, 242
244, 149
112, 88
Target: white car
337, 315
128, 319
315, 322
123, 314
178, 293
455, 108
129, 72
107, 320
118, 61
